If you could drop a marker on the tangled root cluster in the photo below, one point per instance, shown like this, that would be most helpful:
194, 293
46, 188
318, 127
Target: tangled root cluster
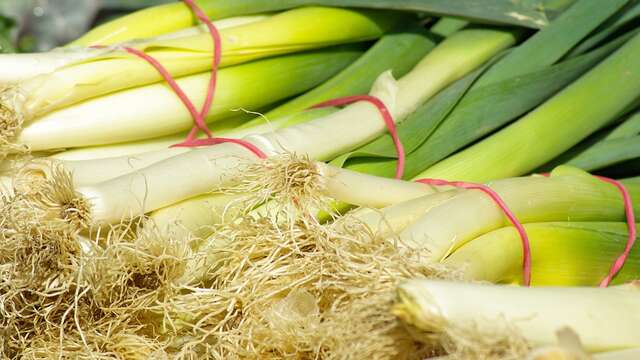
49, 186
40, 258
134, 276
287, 184
53, 301
273, 289
11, 120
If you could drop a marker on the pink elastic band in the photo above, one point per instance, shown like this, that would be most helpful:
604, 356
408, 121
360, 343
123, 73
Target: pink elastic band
198, 117
631, 224
219, 140
386, 116
526, 247
213, 80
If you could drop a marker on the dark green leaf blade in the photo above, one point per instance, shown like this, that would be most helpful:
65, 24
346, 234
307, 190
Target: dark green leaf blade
625, 17
483, 110
607, 153
526, 13
550, 44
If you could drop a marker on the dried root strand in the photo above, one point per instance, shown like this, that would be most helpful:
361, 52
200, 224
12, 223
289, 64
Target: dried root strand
50, 187
469, 341
38, 249
86, 305
11, 121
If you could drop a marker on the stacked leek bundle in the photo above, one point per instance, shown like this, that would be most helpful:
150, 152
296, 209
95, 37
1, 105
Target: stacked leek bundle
118, 245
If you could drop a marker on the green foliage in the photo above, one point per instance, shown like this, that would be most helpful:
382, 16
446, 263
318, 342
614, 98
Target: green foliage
6, 27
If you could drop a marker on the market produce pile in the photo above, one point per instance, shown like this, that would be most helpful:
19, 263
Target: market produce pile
324, 179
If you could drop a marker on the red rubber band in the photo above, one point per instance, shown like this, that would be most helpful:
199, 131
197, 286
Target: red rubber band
217, 58
386, 116
631, 224
526, 246
219, 140
198, 117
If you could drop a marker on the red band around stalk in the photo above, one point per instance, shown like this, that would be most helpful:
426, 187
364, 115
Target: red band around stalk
198, 116
526, 247
386, 116
631, 224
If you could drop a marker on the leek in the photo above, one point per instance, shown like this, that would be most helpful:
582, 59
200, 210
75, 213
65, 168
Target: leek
123, 196
199, 215
183, 56
460, 115
561, 122
391, 220
110, 119
17, 68
171, 17
569, 194
137, 148
604, 319
398, 52
563, 254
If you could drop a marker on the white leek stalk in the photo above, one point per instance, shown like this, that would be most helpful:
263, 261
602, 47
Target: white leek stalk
203, 170
604, 319
101, 168
15, 68
194, 215
226, 128
391, 220
155, 110
118, 70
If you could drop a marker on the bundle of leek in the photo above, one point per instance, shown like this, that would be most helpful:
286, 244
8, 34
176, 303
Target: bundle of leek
121, 197
398, 51
105, 75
